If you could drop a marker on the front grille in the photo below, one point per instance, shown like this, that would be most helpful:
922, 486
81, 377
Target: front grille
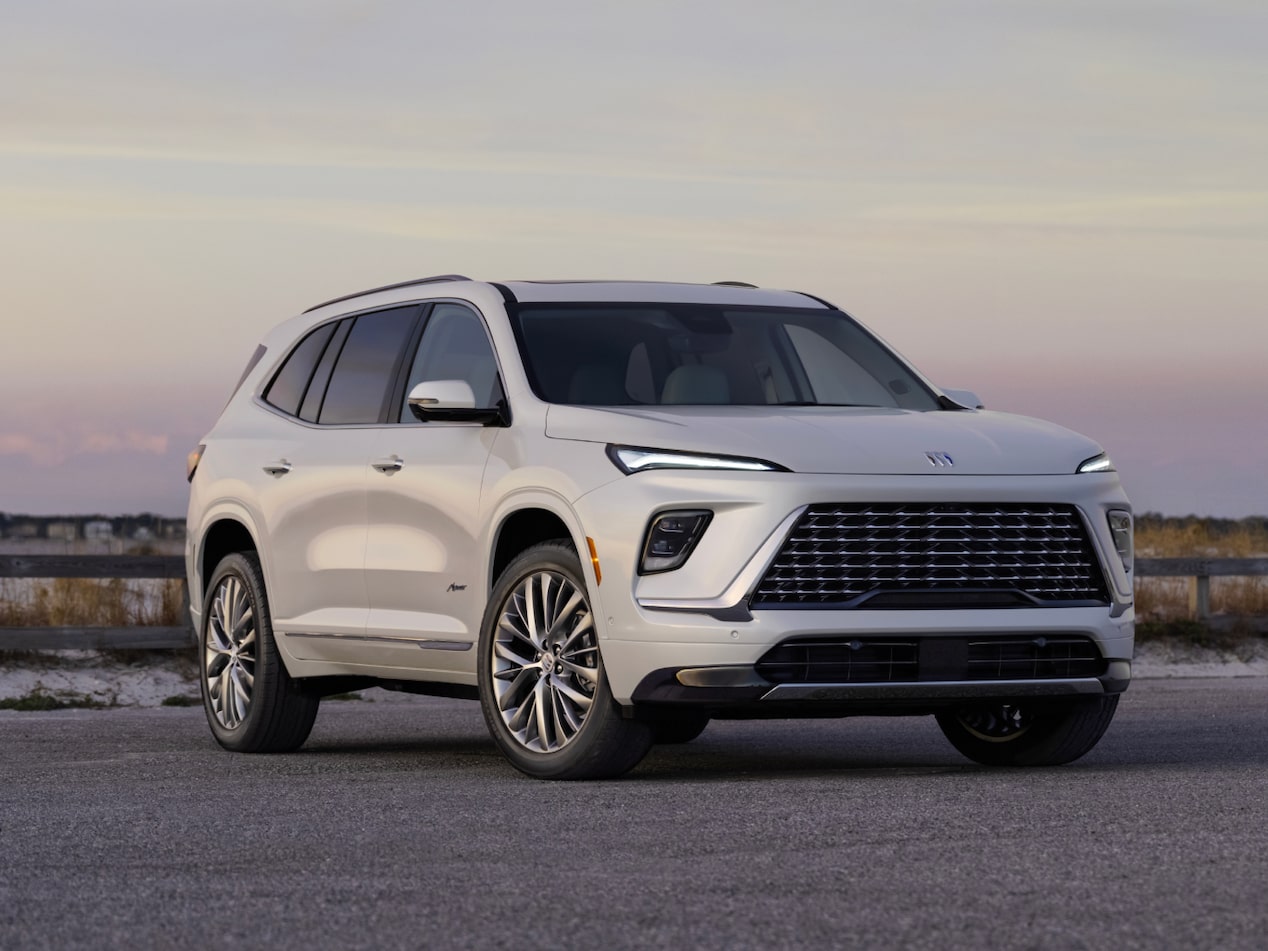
908, 555
857, 660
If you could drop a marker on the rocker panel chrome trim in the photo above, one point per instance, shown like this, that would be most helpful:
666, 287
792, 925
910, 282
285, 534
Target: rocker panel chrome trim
425, 643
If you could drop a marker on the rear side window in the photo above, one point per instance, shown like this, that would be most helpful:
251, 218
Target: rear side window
367, 366
288, 386
311, 407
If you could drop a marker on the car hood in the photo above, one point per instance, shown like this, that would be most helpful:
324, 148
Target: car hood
860, 440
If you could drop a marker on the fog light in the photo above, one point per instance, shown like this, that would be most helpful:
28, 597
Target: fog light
670, 539
1120, 524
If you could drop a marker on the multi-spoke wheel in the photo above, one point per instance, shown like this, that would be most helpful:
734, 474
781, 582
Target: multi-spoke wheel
229, 652
545, 661
1026, 733
542, 686
252, 704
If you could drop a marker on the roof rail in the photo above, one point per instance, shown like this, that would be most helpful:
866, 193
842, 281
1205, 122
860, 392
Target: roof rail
826, 303
437, 279
733, 284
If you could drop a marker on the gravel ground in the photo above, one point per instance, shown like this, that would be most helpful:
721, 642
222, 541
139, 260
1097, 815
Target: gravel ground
146, 679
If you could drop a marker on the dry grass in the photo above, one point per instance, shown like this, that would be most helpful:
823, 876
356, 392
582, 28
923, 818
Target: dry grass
86, 602
1158, 537
1163, 599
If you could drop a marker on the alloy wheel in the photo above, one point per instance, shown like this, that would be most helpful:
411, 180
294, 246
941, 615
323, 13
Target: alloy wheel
230, 652
545, 661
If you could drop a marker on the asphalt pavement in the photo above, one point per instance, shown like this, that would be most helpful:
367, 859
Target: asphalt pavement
399, 826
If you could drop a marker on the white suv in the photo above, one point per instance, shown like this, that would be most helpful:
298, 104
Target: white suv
613, 511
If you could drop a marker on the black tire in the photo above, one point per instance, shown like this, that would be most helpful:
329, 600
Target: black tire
576, 731
1006, 733
677, 726
277, 715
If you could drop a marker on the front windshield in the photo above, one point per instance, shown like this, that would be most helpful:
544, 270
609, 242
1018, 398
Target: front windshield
699, 354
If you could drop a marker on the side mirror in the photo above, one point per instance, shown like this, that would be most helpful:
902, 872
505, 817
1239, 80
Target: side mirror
966, 398
450, 401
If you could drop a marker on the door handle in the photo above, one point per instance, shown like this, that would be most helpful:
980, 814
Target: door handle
279, 468
389, 465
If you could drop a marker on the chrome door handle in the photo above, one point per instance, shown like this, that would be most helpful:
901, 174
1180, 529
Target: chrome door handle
389, 465
279, 468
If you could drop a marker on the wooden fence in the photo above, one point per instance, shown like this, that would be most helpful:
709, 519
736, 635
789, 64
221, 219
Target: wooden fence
95, 638
1198, 570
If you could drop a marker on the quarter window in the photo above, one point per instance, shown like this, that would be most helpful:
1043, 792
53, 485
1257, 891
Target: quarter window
288, 386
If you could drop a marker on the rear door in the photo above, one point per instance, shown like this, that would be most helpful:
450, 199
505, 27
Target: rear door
316, 506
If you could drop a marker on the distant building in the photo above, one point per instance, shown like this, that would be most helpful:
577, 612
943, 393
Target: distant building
98, 530
62, 531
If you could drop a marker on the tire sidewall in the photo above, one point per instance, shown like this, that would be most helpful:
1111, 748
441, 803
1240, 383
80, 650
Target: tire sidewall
1059, 734
546, 557
247, 570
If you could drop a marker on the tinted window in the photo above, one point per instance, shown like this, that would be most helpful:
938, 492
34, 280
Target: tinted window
455, 347
288, 386
366, 367
311, 407
696, 354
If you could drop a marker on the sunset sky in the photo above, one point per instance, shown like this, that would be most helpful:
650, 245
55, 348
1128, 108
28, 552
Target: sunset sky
1061, 205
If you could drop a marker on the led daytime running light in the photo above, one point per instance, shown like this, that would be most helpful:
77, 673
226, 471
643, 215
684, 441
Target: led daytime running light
1098, 463
630, 459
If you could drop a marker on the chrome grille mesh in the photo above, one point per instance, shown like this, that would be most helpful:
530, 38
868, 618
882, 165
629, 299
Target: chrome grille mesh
933, 554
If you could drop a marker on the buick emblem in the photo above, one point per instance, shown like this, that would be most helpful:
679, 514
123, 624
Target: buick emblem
939, 460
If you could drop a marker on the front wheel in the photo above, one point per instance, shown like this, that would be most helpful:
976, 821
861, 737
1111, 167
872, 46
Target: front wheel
1011, 733
543, 690
251, 702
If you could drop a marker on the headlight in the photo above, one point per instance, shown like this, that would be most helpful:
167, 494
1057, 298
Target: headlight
1120, 524
1098, 463
633, 459
670, 538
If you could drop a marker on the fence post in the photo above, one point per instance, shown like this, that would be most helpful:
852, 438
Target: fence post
1200, 597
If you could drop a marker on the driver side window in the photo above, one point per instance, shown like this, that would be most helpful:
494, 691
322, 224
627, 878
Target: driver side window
455, 346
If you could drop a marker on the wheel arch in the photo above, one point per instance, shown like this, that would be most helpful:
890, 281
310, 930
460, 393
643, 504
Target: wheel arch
224, 535
522, 528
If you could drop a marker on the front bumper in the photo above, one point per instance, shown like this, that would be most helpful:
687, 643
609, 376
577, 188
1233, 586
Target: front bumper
698, 616
740, 692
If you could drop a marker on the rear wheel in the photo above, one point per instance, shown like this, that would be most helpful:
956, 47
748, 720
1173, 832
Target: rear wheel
543, 690
251, 702
1013, 733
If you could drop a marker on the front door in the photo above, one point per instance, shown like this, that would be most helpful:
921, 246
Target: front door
424, 507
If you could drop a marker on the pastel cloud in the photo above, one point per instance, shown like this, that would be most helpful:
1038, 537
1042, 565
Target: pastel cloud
57, 450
